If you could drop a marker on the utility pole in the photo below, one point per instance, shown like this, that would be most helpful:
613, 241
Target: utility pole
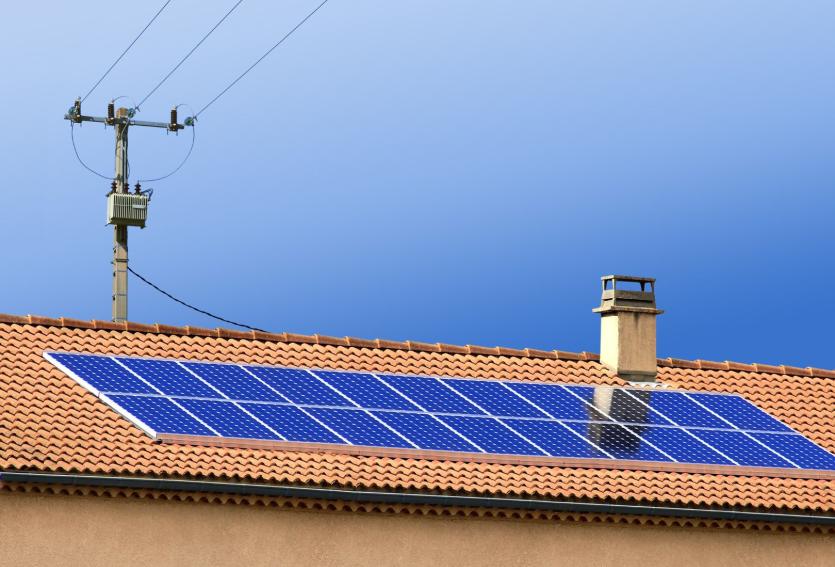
123, 208
120, 231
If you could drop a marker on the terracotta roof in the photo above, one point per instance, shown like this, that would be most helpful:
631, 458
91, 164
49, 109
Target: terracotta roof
50, 423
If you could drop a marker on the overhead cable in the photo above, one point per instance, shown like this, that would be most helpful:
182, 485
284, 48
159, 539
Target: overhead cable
125, 51
81, 161
192, 307
270, 50
193, 49
185, 159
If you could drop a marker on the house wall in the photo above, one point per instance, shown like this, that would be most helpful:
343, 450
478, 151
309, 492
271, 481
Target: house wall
90, 530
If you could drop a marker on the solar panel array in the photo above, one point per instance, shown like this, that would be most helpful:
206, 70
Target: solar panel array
267, 403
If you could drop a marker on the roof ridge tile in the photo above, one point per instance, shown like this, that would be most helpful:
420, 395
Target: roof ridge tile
108, 325
795, 371
768, 368
711, 365
536, 353
329, 340
416, 346
423, 347
487, 351
360, 343
740, 367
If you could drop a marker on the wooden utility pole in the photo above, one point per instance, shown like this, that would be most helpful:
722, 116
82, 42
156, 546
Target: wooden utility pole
124, 209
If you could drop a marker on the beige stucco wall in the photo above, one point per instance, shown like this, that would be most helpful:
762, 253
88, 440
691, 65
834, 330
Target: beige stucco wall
77, 530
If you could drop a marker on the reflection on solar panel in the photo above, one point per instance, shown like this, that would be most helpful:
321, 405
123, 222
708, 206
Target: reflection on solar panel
445, 417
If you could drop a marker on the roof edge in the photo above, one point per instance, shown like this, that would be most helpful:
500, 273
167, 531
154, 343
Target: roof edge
415, 497
354, 342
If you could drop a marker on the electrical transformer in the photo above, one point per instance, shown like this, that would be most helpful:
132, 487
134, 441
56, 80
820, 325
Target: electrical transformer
127, 209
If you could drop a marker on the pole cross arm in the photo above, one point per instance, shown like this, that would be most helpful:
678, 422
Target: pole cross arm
74, 115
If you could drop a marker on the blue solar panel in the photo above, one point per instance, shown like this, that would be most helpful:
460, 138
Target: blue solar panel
618, 441
233, 382
630, 406
740, 412
557, 401
494, 397
169, 377
425, 431
300, 386
798, 449
680, 445
292, 423
682, 410
366, 390
102, 373
430, 394
491, 435
160, 414
359, 428
227, 419
741, 448
556, 439
412, 412
587, 394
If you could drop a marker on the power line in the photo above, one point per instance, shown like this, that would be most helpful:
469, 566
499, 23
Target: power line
181, 302
270, 50
81, 161
193, 49
126, 50
182, 163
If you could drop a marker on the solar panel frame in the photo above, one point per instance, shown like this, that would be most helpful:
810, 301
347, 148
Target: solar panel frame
119, 403
483, 457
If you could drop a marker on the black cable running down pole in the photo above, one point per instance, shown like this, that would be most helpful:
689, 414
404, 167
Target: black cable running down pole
270, 50
106, 73
192, 307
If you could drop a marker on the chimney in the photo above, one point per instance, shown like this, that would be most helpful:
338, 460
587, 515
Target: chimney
627, 327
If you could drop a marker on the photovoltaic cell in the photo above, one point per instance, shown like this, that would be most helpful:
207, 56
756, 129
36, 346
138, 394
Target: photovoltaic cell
168, 377
292, 423
103, 374
798, 449
741, 448
412, 412
558, 402
740, 412
556, 439
160, 414
233, 382
618, 441
300, 386
588, 395
682, 410
430, 394
680, 445
227, 419
425, 431
359, 428
366, 390
491, 435
494, 397
626, 406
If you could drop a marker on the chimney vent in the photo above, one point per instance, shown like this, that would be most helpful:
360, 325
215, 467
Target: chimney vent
627, 327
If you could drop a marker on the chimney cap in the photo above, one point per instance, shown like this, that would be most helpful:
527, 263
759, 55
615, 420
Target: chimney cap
622, 278
613, 299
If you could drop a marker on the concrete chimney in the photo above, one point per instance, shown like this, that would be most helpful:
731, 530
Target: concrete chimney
627, 327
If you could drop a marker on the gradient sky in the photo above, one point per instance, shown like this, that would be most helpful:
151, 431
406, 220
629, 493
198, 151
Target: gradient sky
456, 171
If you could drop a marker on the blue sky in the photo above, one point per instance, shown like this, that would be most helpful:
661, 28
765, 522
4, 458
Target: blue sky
459, 171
